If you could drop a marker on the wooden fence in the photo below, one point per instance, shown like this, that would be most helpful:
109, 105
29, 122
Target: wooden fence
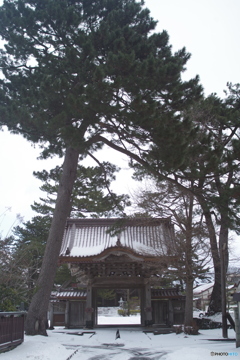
11, 329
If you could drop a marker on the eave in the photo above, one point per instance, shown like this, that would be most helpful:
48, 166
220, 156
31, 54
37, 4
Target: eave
118, 251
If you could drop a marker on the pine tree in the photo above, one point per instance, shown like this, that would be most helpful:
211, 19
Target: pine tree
209, 169
12, 285
30, 240
164, 199
91, 195
75, 70
215, 168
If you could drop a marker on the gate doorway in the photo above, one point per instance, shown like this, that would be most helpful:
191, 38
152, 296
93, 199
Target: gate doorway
160, 312
118, 306
76, 313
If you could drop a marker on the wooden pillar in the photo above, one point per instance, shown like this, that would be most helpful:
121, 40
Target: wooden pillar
89, 307
170, 309
148, 305
142, 304
95, 309
51, 315
67, 315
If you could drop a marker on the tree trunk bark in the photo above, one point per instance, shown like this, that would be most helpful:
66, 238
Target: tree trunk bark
223, 239
215, 300
189, 303
36, 321
223, 249
189, 265
215, 304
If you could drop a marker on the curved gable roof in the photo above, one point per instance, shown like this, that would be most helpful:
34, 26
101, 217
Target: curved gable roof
85, 238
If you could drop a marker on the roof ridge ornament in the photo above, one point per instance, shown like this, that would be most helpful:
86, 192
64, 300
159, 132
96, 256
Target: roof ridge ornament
118, 243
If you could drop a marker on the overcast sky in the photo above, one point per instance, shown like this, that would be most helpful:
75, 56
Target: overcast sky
209, 29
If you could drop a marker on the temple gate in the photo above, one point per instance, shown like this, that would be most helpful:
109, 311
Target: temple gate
120, 254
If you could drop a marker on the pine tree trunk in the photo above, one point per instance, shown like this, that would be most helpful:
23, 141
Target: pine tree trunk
189, 266
36, 321
189, 303
215, 301
223, 249
215, 304
223, 239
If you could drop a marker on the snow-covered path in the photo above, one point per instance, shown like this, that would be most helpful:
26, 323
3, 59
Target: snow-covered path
133, 344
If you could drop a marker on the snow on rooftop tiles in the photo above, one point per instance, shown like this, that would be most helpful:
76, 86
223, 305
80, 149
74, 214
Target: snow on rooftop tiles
90, 237
203, 287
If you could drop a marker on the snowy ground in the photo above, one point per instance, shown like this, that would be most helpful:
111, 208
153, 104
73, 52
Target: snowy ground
133, 344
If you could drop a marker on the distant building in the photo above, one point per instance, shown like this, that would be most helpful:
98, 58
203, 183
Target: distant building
201, 296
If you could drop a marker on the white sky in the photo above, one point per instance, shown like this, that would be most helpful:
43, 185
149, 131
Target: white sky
209, 29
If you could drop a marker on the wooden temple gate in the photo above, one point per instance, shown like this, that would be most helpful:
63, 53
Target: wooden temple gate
117, 254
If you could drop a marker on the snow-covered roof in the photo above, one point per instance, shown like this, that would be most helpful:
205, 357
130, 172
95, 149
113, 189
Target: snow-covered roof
89, 237
201, 288
166, 293
60, 295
